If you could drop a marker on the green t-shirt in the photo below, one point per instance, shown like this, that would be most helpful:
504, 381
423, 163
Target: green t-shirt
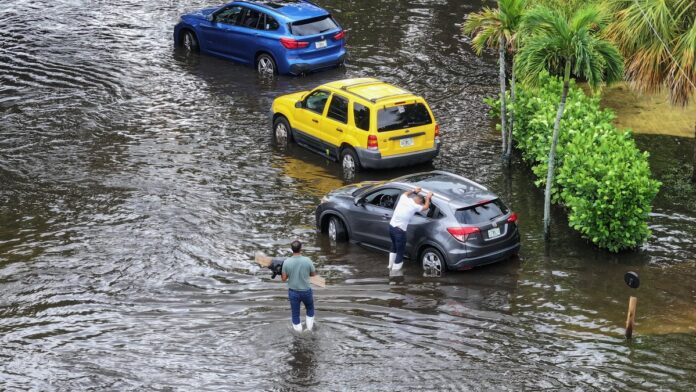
298, 268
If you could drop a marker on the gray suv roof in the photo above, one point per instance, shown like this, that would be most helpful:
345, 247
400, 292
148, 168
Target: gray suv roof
458, 191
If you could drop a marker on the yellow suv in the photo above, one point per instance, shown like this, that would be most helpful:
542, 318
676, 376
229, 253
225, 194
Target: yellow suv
363, 123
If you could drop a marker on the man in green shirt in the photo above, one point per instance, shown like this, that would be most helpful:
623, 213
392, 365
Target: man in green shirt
296, 271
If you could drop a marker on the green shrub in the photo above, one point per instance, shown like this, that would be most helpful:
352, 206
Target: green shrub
605, 184
602, 178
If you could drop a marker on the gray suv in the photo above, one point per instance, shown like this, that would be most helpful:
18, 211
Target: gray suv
466, 225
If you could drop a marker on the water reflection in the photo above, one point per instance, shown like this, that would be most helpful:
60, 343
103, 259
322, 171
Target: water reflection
303, 361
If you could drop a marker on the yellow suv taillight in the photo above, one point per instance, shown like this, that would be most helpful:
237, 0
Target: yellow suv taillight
372, 143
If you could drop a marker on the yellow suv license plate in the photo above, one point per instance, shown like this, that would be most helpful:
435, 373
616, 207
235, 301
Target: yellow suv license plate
321, 44
492, 233
408, 142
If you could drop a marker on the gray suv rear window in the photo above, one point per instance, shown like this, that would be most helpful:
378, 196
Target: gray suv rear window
482, 213
403, 116
313, 26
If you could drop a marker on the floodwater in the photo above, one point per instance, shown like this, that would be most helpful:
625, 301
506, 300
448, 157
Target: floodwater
649, 113
137, 183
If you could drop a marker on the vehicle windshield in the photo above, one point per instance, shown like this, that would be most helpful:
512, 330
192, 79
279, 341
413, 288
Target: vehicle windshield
403, 116
313, 26
482, 213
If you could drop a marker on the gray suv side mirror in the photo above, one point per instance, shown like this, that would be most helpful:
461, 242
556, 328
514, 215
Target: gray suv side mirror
359, 201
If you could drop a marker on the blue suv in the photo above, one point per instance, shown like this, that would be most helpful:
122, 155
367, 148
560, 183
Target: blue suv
276, 36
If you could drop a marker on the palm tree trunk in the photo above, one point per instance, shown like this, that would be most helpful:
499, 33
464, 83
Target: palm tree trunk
503, 107
552, 152
693, 175
508, 151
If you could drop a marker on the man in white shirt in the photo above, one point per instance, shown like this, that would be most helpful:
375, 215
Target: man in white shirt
410, 203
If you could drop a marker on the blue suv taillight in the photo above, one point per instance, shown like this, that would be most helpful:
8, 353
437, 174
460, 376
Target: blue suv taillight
290, 43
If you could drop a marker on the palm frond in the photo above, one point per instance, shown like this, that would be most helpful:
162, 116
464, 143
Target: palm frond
558, 38
540, 53
657, 38
541, 19
484, 27
590, 17
613, 61
682, 72
646, 68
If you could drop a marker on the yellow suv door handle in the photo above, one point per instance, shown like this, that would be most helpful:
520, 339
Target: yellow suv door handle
314, 120
339, 129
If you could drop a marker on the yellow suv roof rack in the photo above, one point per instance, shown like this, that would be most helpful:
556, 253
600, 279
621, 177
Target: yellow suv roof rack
372, 82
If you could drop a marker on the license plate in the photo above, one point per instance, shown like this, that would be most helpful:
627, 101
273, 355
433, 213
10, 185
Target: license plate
408, 142
492, 233
321, 44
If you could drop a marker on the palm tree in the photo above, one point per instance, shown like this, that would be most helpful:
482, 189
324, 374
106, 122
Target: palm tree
497, 28
658, 40
566, 43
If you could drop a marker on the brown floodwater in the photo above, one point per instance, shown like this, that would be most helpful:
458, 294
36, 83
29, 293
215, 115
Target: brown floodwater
649, 113
136, 183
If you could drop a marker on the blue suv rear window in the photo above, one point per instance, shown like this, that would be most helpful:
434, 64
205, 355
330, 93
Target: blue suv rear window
313, 26
482, 213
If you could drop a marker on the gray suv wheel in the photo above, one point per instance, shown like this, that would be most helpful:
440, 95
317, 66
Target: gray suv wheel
433, 262
337, 230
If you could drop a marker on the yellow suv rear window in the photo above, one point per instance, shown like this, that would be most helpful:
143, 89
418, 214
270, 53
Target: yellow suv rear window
403, 116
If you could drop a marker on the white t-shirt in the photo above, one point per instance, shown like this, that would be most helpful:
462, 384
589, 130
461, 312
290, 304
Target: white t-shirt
404, 211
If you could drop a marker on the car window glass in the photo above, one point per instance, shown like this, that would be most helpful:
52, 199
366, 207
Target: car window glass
362, 116
385, 198
270, 24
316, 101
251, 19
433, 212
313, 26
338, 109
481, 213
229, 16
403, 116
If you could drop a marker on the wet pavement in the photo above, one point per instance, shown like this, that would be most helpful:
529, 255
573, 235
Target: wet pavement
136, 184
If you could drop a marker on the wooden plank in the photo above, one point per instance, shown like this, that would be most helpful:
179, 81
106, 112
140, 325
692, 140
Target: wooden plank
317, 281
264, 261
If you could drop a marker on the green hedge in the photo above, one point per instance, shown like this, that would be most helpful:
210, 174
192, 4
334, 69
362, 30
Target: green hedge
602, 178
